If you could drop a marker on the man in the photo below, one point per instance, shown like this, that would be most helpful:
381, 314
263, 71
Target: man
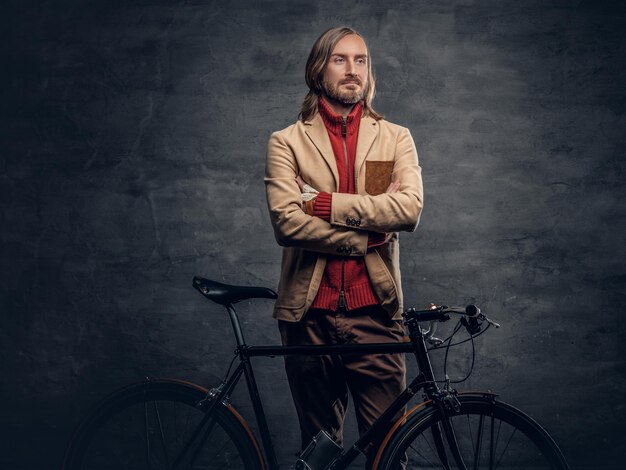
341, 182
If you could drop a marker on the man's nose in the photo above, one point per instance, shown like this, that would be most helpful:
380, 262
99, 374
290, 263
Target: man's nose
351, 67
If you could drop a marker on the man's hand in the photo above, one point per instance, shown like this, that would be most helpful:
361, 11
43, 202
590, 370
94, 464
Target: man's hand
300, 182
308, 196
306, 189
393, 187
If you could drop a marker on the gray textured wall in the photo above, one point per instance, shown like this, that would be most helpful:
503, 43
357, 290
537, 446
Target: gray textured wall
132, 151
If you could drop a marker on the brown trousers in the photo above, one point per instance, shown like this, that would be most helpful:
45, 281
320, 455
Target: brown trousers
320, 384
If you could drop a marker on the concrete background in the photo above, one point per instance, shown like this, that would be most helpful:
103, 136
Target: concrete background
132, 148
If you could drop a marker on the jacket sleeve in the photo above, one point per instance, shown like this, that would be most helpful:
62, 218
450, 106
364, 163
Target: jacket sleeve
292, 226
388, 212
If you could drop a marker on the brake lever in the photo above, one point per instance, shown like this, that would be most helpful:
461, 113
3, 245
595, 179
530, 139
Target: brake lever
483, 317
428, 334
435, 341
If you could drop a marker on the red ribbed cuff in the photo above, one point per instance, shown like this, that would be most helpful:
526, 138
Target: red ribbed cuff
376, 239
321, 206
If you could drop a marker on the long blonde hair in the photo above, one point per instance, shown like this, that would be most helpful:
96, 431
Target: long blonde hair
316, 66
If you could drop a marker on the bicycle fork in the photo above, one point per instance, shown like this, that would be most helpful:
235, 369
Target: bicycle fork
442, 399
450, 438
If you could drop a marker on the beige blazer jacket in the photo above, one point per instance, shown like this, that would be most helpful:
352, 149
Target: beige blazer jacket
385, 152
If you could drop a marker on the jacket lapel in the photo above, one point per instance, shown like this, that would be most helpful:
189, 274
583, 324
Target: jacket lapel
318, 134
368, 130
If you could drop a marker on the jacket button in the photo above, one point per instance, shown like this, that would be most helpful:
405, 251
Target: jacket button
349, 221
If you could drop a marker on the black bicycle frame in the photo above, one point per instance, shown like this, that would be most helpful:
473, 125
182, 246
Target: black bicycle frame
424, 380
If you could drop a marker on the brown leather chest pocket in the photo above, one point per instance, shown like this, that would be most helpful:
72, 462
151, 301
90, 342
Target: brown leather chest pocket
377, 176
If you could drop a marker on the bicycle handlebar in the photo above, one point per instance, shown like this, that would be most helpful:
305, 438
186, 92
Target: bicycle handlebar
440, 312
472, 318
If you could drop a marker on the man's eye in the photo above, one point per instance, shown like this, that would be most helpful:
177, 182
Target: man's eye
361, 61
338, 59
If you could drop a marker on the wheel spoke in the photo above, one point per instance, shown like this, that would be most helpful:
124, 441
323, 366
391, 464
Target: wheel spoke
147, 428
479, 438
217, 453
498, 433
205, 436
162, 434
506, 447
469, 430
426, 459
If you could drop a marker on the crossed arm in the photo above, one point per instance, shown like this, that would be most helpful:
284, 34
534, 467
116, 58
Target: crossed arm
320, 205
397, 209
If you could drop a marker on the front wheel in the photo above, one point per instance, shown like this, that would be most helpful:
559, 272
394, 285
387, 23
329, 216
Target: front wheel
161, 424
490, 435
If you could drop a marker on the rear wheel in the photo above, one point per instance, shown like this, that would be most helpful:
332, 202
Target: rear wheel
148, 425
491, 435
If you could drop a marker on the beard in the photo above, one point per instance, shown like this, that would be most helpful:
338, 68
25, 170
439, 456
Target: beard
344, 96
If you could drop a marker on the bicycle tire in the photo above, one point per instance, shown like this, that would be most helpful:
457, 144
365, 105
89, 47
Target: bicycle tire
145, 425
512, 439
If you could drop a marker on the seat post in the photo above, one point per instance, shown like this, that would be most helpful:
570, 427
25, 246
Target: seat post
234, 319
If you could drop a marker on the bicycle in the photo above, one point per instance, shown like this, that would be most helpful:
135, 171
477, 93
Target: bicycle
173, 424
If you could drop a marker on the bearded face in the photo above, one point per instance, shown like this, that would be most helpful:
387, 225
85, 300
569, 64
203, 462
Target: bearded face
345, 76
348, 91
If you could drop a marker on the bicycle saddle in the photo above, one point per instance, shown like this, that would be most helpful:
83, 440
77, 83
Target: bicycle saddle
226, 294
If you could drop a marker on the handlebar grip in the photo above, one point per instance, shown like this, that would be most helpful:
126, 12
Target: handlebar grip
440, 313
472, 311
